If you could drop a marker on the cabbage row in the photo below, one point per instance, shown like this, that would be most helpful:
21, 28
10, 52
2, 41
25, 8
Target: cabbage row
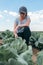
36, 40
13, 51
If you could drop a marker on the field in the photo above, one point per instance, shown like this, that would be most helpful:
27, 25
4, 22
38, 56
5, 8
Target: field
16, 49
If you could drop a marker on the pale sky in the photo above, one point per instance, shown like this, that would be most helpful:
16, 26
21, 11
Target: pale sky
9, 12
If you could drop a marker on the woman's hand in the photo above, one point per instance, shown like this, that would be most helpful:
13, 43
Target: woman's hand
15, 31
17, 27
16, 35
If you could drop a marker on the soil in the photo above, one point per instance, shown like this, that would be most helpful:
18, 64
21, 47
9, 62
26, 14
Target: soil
34, 57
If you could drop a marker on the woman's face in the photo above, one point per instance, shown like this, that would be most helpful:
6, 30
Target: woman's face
22, 15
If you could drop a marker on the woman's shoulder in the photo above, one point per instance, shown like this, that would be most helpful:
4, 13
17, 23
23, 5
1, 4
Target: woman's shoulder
28, 17
16, 18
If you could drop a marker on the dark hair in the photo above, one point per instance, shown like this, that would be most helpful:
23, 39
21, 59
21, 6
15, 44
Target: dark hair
23, 9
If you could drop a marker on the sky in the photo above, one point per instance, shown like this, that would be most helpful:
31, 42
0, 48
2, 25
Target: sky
9, 11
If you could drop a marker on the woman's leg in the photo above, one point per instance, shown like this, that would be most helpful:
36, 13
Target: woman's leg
26, 34
20, 34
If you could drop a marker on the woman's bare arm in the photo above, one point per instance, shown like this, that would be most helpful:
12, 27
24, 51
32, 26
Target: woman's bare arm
15, 29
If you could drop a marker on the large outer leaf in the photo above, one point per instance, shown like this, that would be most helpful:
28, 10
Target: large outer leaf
19, 45
18, 61
27, 56
39, 43
40, 40
7, 34
8, 40
6, 53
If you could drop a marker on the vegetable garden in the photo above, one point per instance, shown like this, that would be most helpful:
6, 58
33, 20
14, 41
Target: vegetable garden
14, 51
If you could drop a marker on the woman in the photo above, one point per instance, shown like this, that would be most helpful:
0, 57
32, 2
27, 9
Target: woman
21, 25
